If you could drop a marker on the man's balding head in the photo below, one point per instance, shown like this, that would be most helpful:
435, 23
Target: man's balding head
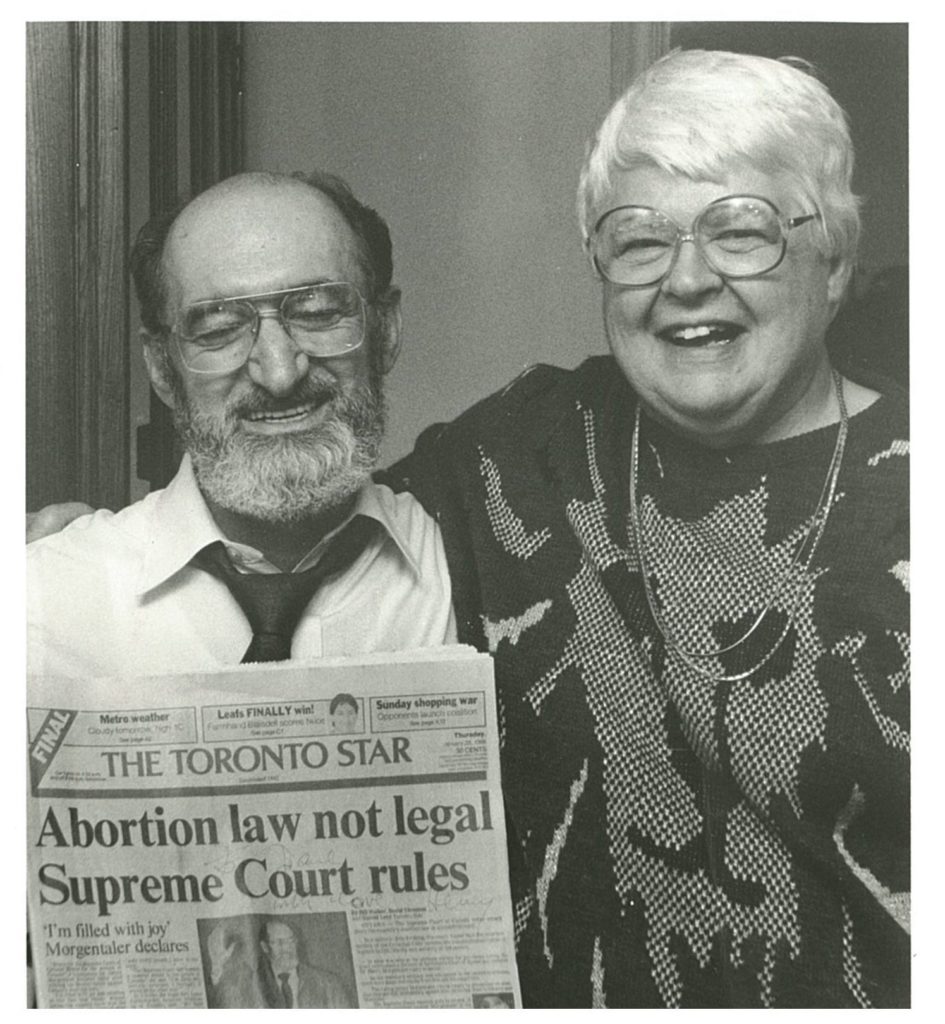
370, 233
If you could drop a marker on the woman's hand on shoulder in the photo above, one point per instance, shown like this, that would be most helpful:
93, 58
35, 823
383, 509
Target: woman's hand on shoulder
52, 518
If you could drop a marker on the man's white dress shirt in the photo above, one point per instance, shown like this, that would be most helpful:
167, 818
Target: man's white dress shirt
114, 594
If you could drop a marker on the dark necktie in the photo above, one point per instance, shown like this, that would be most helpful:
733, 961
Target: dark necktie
286, 991
273, 602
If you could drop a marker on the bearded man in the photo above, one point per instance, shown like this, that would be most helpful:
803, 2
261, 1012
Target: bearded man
269, 322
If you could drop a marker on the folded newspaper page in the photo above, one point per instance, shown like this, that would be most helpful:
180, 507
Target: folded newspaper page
295, 835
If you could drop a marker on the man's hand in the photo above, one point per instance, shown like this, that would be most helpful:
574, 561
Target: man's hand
220, 946
53, 518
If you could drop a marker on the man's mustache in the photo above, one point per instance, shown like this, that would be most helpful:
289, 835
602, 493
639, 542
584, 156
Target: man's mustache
307, 392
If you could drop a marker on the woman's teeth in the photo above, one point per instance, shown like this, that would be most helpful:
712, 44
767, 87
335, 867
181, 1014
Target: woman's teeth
702, 335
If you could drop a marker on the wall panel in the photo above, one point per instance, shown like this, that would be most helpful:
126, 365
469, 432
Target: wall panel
468, 138
77, 315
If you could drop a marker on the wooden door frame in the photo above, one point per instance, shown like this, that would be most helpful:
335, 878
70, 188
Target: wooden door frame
76, 283
634, 45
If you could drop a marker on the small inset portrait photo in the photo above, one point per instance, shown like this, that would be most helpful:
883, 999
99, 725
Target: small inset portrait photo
493, 1000
345, 713
284, 961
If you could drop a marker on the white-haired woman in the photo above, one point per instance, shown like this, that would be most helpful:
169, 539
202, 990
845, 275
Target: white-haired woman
690, 560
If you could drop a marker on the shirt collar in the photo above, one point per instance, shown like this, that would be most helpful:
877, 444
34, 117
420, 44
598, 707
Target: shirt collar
378, 502
181, 524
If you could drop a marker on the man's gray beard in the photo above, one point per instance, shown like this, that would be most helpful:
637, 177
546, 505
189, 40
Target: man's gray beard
286, 478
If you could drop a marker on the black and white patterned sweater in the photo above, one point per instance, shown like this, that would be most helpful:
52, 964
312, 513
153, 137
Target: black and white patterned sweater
675, 840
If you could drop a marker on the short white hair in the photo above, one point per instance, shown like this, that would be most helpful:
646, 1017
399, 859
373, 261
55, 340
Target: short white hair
703, 113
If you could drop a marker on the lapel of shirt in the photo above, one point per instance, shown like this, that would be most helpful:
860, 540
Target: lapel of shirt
378, 502
181, 524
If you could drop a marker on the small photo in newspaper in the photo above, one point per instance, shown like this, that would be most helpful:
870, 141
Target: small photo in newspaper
288, 961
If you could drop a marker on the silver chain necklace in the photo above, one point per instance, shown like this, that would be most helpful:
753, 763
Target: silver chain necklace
809, 541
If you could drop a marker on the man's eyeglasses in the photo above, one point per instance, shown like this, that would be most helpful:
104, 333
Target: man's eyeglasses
737, 236
217, 335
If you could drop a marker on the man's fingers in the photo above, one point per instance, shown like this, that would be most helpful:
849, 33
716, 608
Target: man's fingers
53, 518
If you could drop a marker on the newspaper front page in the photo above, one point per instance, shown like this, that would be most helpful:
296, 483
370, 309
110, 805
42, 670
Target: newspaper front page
319, 835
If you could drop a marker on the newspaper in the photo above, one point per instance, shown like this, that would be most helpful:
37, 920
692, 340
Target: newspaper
326, 834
